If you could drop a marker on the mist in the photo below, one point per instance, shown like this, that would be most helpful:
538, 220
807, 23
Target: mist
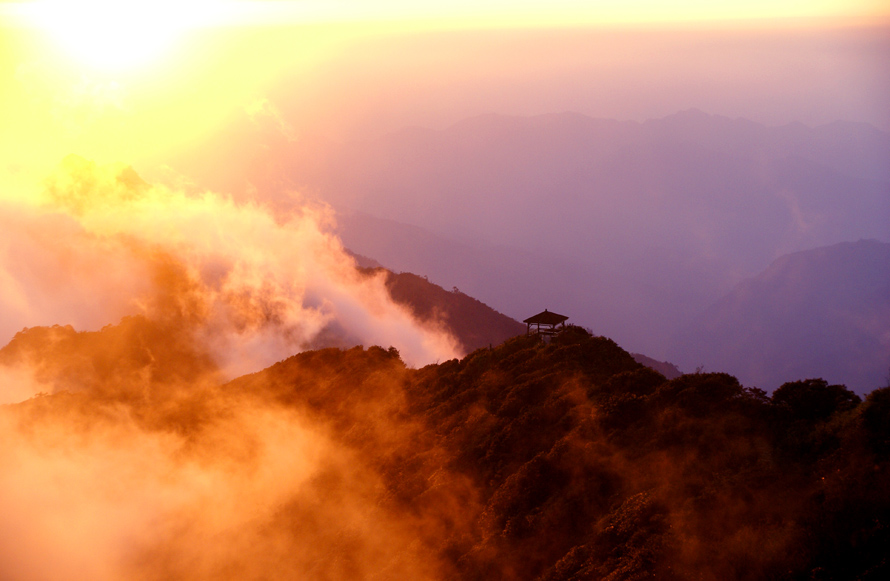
125, 455
160, 479
100, 243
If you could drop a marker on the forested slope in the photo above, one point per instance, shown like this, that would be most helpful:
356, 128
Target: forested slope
571, 461
561, 461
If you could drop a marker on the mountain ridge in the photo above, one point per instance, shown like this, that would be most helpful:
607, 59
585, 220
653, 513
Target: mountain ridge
557, 461
820, 312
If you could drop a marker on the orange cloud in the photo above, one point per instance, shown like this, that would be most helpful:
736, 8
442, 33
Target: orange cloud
252, 287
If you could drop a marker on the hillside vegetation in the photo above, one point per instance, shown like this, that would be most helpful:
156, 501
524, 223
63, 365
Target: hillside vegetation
558, 461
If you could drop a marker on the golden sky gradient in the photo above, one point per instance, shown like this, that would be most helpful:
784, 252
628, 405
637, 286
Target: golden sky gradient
129, 81
461, 12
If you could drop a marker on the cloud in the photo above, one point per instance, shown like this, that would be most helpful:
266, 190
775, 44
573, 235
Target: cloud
251, 286
139, 465
54, 271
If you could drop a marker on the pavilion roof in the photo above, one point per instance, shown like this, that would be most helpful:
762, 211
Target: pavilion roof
546, 318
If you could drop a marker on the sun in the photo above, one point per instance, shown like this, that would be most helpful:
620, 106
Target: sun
116, 34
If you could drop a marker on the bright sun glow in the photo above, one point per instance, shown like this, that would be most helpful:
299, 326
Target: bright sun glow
114, 34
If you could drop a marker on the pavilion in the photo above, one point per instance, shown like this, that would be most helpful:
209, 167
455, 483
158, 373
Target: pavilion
546, 323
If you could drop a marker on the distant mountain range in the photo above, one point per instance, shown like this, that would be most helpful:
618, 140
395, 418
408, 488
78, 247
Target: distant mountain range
818, 313
632, 229
696, 192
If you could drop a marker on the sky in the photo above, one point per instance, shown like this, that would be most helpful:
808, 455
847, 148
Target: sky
143, 80
147, 84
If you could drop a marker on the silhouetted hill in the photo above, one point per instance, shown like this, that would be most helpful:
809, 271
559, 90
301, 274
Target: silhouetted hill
470, 321
818, 313
666, 368
621, 474
518, 282
473, 323
559, 461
